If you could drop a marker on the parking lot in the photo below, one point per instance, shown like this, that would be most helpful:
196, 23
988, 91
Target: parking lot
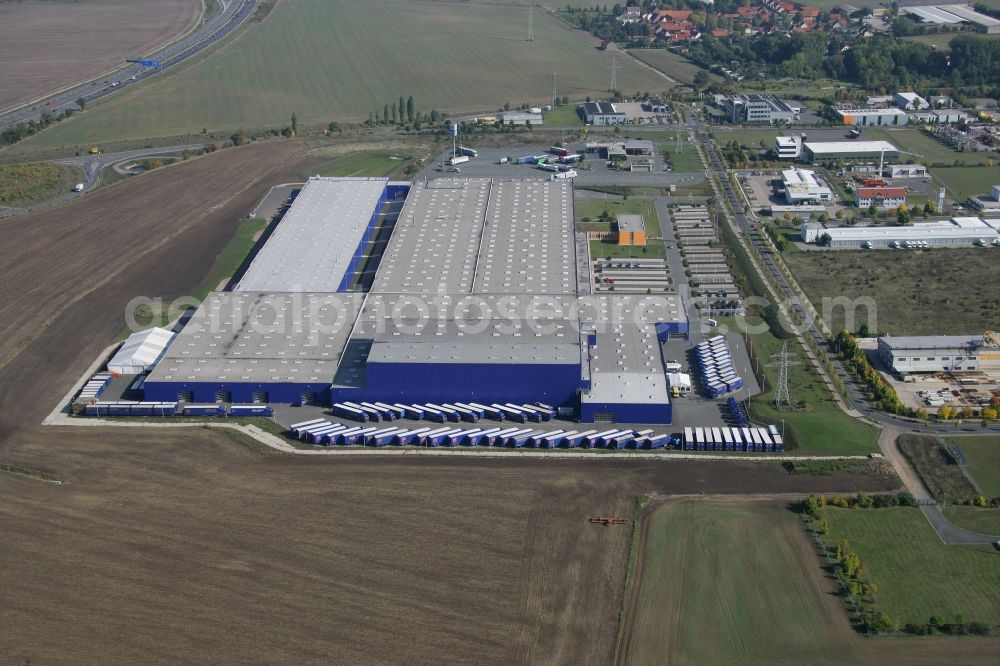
591, 171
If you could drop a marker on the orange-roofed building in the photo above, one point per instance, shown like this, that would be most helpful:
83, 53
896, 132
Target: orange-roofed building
675, 14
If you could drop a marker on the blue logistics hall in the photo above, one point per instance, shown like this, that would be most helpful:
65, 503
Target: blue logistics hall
453, 290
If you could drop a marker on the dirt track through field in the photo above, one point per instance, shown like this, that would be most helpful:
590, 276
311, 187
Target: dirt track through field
47, 46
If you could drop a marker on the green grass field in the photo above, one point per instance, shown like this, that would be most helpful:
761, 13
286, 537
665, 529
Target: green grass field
917, 575
981, 520
372, 164
318, 58
982, 455
29, 184
563, 116
684, 160
231, 257
941, 40
673, 65
592, 209
937, 470
729, 584
927, 148
964, 182
905, 286
821, 428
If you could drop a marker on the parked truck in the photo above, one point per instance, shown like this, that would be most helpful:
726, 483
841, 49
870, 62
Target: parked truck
78, 187
458, 159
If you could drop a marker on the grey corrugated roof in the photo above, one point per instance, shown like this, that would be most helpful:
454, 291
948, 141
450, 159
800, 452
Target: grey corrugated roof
254, 337
436, 239
312, 246
527, 242
932, 341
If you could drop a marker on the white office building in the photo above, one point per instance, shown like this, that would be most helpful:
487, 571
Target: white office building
788, 147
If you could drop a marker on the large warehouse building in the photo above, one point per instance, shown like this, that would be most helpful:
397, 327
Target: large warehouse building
956, 231
477, 296
937, 353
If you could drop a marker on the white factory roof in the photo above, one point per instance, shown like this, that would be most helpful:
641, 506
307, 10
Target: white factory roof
850, 146
932, 341
312, 246
800, 177
787, 141
970, 228
141, 351
627, 387
871, 112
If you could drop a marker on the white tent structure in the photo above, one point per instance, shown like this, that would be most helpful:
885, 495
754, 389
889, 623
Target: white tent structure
141, 351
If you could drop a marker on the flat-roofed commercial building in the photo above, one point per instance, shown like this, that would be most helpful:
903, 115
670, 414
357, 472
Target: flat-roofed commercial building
849, 151
937, 353
956, 231
788, 147
872, 117
631, 230
802, 187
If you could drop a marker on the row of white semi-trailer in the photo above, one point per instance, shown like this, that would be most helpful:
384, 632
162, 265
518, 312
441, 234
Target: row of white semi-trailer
440, 413
321, 431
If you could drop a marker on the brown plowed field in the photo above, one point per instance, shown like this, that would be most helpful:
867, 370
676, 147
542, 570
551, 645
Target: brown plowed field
46, 46
163, 546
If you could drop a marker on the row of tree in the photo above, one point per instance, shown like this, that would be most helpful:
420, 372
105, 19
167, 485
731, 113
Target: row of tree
402, 112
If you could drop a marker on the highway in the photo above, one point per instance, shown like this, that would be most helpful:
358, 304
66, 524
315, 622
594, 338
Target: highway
232, 14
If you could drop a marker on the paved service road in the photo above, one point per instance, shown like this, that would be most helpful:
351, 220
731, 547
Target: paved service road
92, 166
232, 14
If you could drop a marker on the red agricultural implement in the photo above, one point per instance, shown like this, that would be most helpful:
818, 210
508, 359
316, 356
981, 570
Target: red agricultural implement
608, 520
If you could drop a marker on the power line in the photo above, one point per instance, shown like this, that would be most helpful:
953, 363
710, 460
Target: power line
614, 84
782, 361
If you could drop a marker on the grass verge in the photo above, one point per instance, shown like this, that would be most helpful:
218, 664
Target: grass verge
24, 185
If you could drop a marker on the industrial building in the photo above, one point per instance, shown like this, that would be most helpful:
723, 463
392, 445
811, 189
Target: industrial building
872, 117
904, 171
631, 230
475, 297
956, 231
758, 109
602, 113
802, 187
909, 101
847, 151
950, 14
987, 203
521, 118
881, 197
937, 353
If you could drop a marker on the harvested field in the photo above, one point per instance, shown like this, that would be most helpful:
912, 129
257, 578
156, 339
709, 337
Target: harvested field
291, 559
727, 581
57, 44
72, 249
